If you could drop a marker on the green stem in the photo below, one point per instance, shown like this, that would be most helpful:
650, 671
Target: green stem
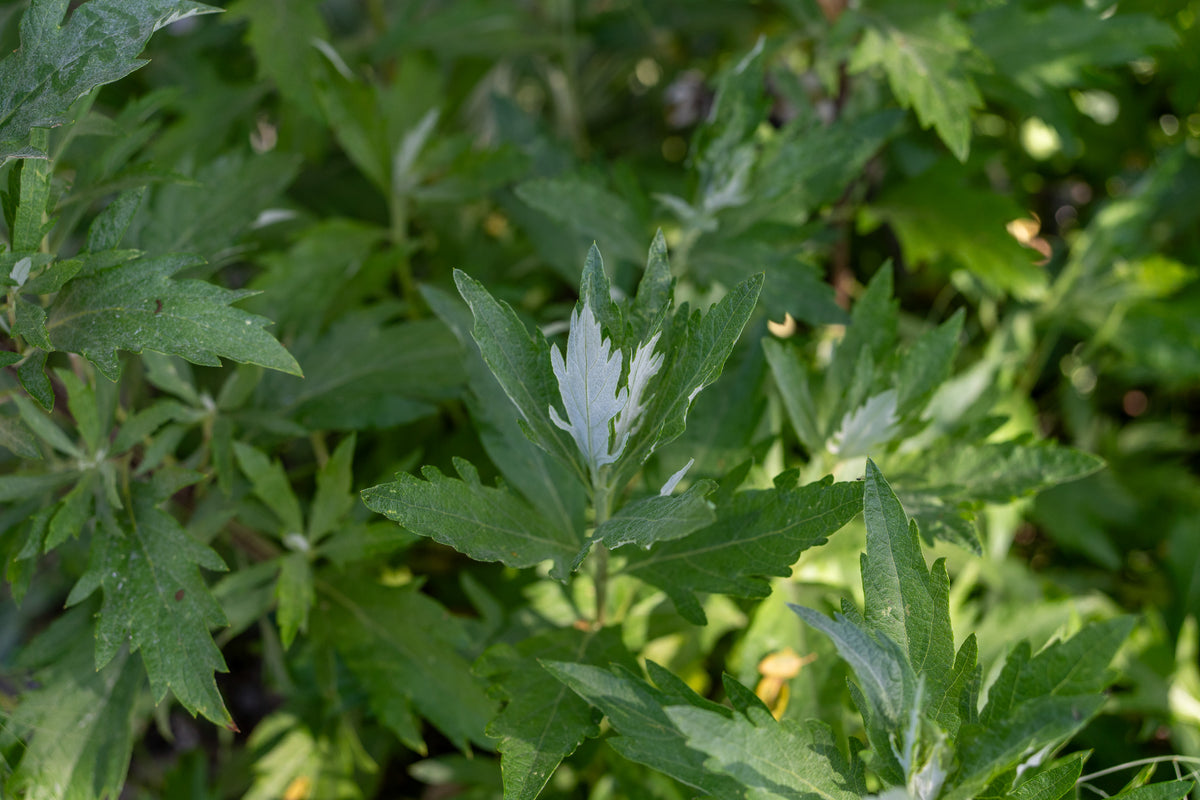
404, 274
602, 502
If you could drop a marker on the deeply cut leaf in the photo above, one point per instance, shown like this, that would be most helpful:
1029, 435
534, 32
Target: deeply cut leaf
138, 306
156, 600
56, 64
757, 535
543, 721
483, 522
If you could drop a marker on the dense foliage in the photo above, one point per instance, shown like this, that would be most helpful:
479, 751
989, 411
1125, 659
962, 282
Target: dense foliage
490, 399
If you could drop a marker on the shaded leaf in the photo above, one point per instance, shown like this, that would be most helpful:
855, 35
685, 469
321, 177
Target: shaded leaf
636, 709
81, 718
406, 651
543, 721
156, 601
58, 63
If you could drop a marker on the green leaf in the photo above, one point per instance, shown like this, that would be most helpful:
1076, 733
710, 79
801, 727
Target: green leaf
46, 428
590, 211
81, 719
905, 601
32, 373
301, 284
58, 63
773, 760
281, 34
334, 496
527, 467
757, 535
295, 594
1074, 40
655, 292
696, 347
208, 213
1167, 790
406, 651
1052, 783
485, 523
543, 721
969, 233
521, 363
144, 423
791, 377
994, 472
73, 513
340, 393
923, 55
927, 365
156, 601
29, 225
17, 438
659, 518
53, 278
988, 750
138, 306
636, 709
1076, 666
271, 485
107, 230
883, 673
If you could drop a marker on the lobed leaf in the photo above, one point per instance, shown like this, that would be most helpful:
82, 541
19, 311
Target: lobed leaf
485, 523
58, 63
137, 306
542, 721
406, 651
156, 601
636, 709
758, 534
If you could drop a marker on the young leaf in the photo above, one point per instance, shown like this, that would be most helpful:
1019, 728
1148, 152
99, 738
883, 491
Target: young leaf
659, 518
543, 721
696, 348
589, 385
156, 600
56, 63
271, 485
405, 650
485, 523
138, 306
757, 535
521, 364
527, 467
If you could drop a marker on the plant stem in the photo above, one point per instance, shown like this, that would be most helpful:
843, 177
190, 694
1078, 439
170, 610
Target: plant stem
399, 236
602, 502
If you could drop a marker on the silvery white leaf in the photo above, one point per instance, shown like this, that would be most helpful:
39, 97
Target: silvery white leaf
674, 480
865, 428
587, 381
644, 366
20, 270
